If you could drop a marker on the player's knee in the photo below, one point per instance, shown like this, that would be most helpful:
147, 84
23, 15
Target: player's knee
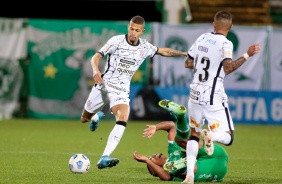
83, 119
85, 116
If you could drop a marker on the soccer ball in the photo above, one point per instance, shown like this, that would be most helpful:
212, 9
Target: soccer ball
79, 164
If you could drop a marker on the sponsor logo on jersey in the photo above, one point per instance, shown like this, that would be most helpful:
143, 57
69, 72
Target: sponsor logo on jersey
193, 122
130, 72
207, 176
115, 87
127, 62
194, 94
194, 97
211, 41
214, 125
122, 99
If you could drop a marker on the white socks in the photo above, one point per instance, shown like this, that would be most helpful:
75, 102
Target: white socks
114, 139
95, 118
192, 149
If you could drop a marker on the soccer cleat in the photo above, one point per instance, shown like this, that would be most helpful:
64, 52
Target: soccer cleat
172, 107
188, 180
94, 123
173, 166
107, 162
208, 143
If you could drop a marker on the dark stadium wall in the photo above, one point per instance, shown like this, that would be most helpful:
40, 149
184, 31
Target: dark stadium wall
88, 10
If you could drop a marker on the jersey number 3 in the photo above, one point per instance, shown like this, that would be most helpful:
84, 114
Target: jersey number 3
203, 76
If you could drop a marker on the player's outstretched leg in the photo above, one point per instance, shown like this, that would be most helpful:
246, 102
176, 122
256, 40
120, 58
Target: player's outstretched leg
174, 108
208, 143
179, 111
94, 122
107, 162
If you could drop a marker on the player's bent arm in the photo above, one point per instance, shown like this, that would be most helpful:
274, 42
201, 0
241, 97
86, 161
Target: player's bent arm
95, 68
229, 66
95, 61
158, 170
165, 125
154, 168
168, 52
189, 63
168, 126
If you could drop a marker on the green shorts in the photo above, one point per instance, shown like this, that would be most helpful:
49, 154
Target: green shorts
211, 168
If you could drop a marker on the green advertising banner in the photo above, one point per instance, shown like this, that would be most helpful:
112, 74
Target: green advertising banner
13, 41
60, 74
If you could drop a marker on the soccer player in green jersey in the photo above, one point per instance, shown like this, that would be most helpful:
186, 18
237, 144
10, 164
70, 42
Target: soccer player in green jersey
208, 168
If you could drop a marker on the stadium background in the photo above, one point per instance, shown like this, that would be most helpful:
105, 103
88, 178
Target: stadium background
44, 60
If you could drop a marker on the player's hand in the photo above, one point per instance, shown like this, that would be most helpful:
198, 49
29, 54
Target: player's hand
139, 158
253, 49
97, 77
149, 131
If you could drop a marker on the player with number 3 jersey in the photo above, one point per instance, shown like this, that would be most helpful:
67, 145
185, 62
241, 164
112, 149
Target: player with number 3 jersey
211, 58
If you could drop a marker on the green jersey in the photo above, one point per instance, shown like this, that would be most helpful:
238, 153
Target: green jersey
210, 168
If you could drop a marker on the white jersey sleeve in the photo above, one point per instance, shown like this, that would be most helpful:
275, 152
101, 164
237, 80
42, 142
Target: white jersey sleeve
109, 47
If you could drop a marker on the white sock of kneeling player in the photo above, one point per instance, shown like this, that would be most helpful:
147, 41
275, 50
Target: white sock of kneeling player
221, 137
114, 137
192, 149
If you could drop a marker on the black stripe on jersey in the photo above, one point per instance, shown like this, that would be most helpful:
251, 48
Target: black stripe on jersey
227, 116
214, 83
108, 60
228, 120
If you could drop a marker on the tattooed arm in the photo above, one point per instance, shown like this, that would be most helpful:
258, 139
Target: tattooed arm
229, 66
168, 52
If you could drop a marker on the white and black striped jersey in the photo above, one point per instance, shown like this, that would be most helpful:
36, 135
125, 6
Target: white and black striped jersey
123, 61
208, 52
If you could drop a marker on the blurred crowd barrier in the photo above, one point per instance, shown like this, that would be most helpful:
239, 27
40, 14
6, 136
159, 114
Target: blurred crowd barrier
53, 77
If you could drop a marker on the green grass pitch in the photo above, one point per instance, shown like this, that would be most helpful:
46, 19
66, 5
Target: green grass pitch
38, 151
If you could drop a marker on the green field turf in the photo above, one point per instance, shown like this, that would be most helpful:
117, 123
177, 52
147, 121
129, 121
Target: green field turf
38, 151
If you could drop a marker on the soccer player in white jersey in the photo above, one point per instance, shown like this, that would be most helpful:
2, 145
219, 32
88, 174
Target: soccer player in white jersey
126, 53
211, 58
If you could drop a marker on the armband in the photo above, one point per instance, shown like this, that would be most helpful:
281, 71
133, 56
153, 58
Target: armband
246, 56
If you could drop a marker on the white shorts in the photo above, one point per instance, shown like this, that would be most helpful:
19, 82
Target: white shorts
98, 98
217, 116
